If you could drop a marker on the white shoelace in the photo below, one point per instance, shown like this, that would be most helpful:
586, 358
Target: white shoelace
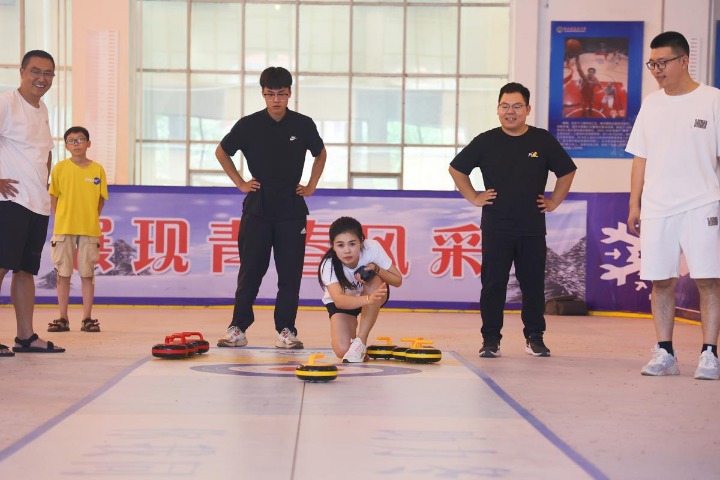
661, 357
708, 361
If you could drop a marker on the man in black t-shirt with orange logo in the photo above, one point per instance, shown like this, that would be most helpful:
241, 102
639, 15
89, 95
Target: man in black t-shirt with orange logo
514, 160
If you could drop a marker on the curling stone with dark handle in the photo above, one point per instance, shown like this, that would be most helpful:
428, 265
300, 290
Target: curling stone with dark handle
365, 275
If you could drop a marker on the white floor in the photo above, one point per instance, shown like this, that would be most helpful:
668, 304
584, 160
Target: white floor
107, 409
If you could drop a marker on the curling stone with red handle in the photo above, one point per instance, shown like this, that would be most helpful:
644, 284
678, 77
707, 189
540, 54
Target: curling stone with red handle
202, 345
171, 349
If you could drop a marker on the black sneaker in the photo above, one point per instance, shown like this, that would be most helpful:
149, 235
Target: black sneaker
490, 348
534, 345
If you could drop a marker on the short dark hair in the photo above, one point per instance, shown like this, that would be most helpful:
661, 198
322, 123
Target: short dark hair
82, 130
36, 53
676, 41
276, 77
514, 87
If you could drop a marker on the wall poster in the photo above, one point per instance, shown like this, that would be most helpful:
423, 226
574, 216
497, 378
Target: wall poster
595, 86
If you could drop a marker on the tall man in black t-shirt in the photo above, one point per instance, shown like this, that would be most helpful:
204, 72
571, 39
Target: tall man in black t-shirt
514, 160
274, 142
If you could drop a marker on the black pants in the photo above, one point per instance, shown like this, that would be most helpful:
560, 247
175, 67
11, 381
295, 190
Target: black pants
257, 237
499, 253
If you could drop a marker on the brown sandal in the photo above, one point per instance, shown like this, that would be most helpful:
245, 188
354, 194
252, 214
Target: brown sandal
90, 325
59, 325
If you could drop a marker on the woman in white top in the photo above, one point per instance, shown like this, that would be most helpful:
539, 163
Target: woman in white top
355, 274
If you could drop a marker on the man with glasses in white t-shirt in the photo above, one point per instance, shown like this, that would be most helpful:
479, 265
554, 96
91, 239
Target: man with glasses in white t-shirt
25, 156
675, 198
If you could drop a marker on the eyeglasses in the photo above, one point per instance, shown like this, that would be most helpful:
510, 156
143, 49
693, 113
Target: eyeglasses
75, 141
36, 72
660, 64
504, 107
279, 96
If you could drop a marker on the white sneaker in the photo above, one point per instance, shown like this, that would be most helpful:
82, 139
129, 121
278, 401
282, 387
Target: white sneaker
287, 339
708, 366
662, 363
356, 352
233, 338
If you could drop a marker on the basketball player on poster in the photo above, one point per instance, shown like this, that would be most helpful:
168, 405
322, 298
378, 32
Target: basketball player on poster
589, 84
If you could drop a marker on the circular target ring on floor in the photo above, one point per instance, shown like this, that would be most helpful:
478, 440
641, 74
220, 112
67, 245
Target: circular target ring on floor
288, 369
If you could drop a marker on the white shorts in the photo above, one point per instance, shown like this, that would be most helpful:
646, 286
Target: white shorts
695, 233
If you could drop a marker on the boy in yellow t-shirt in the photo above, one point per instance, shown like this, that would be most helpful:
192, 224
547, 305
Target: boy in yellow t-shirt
78, 190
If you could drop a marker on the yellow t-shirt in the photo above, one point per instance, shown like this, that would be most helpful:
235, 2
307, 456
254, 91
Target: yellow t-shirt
78, 190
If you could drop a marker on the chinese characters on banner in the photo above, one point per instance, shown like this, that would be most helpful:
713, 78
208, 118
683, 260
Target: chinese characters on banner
152, 253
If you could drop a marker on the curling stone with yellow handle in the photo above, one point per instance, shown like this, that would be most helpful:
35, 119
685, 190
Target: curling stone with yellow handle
316, 372
420, 353
381, 351
399, 352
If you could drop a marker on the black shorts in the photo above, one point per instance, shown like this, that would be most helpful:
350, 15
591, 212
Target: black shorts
22, 238
333, 309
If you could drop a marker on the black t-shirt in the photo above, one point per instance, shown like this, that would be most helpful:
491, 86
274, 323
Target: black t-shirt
275, 154
517, 168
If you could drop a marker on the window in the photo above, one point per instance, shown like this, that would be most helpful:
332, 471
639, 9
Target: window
393, 103
47, 28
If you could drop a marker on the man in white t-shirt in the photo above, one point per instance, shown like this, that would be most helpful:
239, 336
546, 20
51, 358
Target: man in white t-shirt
676, 180
25, 156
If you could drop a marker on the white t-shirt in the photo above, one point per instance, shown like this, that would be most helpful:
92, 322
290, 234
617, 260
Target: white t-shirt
371, 252
679, 135
25, 142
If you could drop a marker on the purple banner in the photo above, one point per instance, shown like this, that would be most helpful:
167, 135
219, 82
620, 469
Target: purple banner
178, 246
613, 257
613, 260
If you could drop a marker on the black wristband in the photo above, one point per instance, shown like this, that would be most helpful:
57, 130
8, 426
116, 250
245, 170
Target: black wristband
365, 274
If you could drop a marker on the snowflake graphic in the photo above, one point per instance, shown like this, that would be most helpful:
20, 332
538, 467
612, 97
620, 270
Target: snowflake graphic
629, 242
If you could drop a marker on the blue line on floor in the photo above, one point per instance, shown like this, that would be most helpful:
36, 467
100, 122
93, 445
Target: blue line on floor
24, 441
581, 461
